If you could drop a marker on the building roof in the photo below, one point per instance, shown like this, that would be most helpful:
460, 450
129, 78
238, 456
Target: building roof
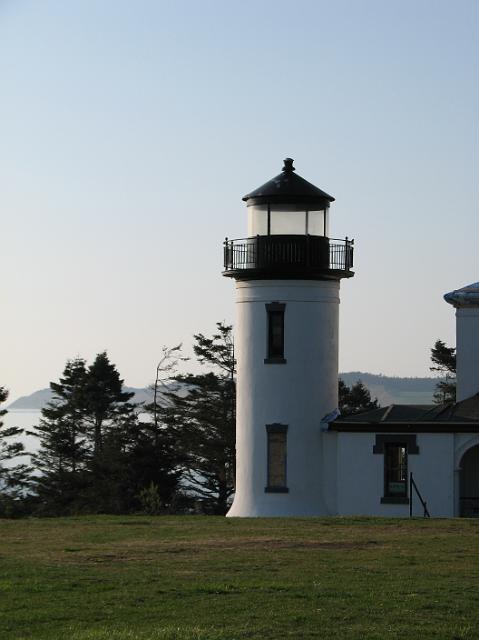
288, 187
441, 418
467, 296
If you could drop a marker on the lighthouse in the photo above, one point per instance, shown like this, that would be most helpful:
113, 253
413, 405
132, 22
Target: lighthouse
287, 274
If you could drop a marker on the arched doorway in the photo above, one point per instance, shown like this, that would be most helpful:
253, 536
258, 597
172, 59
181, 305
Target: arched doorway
469, 497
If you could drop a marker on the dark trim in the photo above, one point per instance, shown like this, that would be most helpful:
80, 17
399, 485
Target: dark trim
280, 199
393, 438
406, 442
276, 427
276, 490
275, 306
394, 500
416, 427
275, 319
243, 275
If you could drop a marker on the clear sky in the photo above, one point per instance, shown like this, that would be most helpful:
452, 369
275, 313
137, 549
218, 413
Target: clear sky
129, 131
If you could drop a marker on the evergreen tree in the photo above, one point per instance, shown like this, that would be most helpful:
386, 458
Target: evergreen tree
444, 363
152, 467
355, 399
155, 458
107, 404
13, 478
202, 418
86, 433
112, 425
64, 450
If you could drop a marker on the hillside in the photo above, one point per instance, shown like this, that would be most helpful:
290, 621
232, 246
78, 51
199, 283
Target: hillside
38, 399
392, 390
388, 390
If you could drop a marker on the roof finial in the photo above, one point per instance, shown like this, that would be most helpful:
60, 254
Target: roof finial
288, 165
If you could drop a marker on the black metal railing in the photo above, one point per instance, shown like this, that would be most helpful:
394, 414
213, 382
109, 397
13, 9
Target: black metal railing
288, 253
413, 485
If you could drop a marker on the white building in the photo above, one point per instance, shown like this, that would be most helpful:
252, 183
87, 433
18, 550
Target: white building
294, 455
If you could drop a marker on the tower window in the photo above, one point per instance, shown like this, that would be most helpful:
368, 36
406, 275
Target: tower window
275, 333
276, 452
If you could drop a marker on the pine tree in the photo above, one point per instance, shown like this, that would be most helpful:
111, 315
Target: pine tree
64, 451
112, 426
107, 404
155, 458
355, 399
202, 419
13, 478
86, 434
152, 466
444, 361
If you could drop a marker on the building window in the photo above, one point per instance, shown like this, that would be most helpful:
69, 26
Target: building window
395, 448
276, 458
275, 333
395, 470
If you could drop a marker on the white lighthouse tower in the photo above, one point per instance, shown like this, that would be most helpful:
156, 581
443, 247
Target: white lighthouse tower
287, 274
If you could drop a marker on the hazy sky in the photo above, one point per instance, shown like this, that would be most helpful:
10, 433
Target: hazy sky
129, 131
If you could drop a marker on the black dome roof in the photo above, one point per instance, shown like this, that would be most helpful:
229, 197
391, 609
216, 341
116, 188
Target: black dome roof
288, 187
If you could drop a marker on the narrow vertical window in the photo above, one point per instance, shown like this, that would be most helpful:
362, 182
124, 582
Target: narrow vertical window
395, 470
275, 333
276, 463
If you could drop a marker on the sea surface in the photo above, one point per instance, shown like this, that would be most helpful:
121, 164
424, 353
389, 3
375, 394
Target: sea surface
24, 419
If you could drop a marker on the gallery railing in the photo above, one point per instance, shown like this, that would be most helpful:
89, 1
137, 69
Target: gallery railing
289, 253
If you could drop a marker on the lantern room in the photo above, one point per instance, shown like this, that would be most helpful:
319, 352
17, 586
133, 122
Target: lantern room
288, 205
288, 234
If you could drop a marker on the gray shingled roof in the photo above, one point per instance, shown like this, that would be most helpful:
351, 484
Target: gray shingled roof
444, 415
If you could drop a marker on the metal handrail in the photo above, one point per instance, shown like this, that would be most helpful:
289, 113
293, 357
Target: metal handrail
304, 252
299, 235
413, 485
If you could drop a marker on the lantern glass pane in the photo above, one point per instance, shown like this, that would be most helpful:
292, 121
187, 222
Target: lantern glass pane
288, 220
316, 223
258, 220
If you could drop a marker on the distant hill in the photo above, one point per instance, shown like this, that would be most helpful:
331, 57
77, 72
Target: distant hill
390, 390
38, 399
387, 390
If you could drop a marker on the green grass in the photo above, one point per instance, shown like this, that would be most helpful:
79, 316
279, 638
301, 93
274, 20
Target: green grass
207, 578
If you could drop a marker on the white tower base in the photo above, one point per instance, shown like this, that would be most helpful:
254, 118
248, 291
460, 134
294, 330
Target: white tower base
296, 394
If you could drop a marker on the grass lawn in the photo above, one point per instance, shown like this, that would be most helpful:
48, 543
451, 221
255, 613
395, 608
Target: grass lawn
208, 578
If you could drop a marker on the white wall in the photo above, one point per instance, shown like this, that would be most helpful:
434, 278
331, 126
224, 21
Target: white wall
360, 475
298, 393
467, 345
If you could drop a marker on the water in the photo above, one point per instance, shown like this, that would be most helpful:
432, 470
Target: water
24, 419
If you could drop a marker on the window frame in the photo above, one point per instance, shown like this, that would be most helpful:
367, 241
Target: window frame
390, 469
275, 429
274, 309
409, 441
